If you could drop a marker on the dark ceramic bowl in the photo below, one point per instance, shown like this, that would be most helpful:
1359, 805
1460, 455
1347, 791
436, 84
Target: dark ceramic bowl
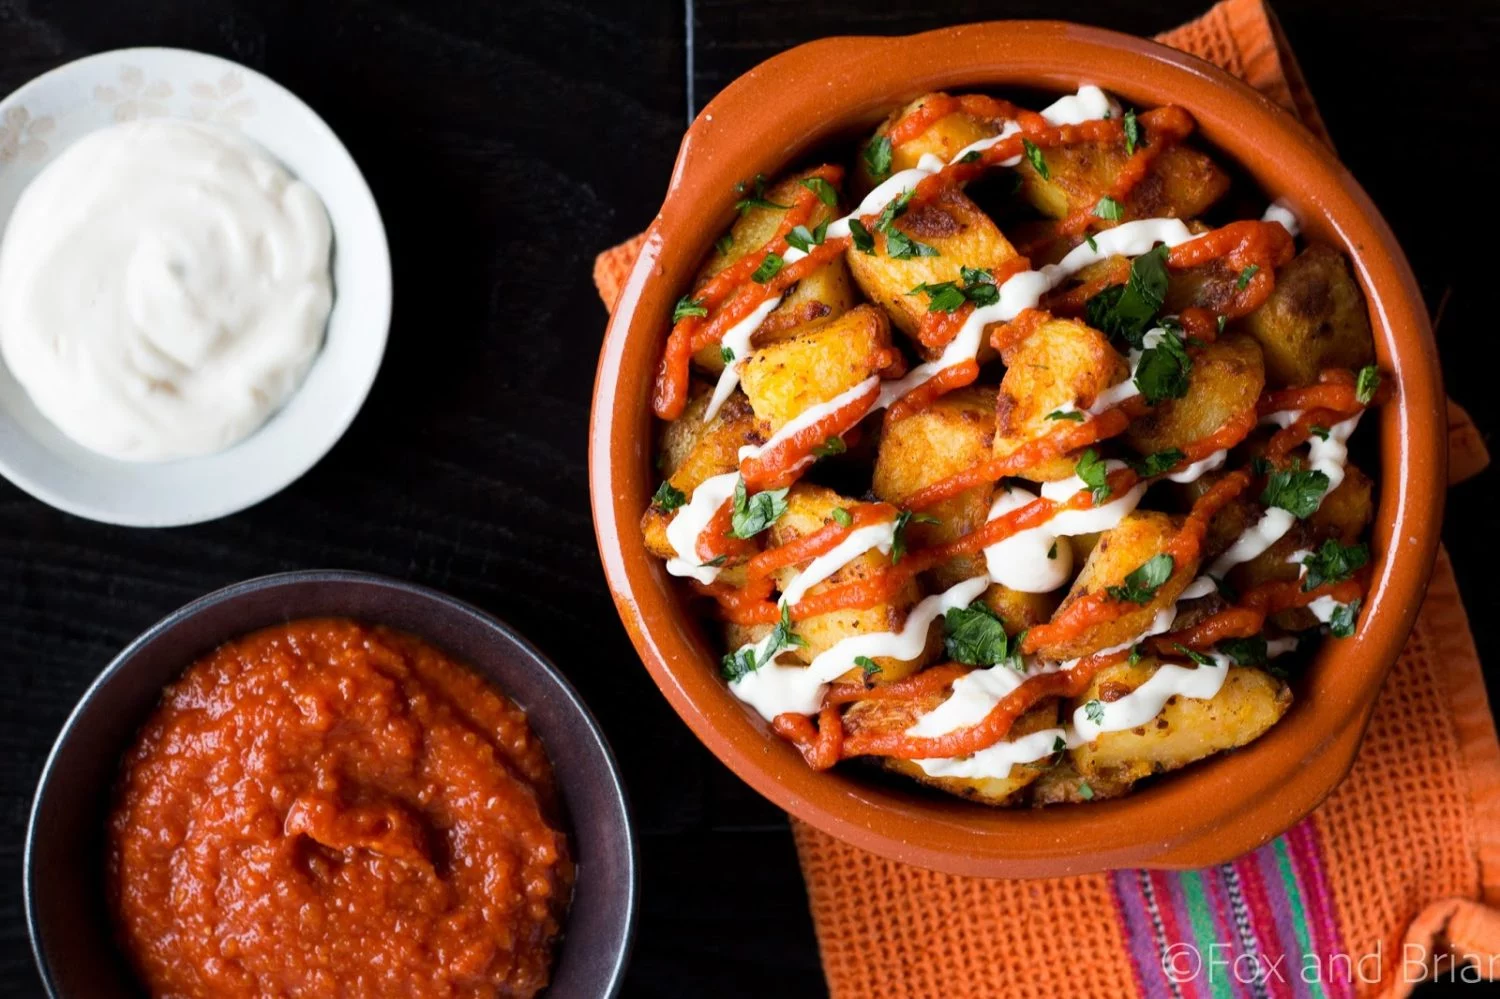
71, 933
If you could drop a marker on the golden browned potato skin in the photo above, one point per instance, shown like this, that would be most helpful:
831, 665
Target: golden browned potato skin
1314, 319
809, 509
1181, 183
963, 236
897, 716
819, 362
1227, 378
1138, 538
1062, 362
1062, 784
698, 451
944, 139
1186, 729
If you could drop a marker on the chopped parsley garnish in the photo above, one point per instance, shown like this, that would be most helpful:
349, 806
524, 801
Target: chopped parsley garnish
1052, 552
830, 447
688, 306
1163, 370
898, 539
1132, 133
1333, 563
979, 285
726, 354
900, 246
753, 514
757, 200
878, 156
1084, 791
1090, 468
1195, 656
1321, 433
805, 239
1344, 618
1072, 415
1141, 585
769, 268
1297, 491
893, 210
1038, 161
1158, 463
1221, 321
1225, 590
822, 189
1109, 209
1093, 244
972, 156
1135, 655
948, 296
842, 516
1094, 711
668, 497
864, 242
724, 242
1367, 384
737, 665
1245, 651
1126, 310
976, 635
715, 562
1059, 744
1245, 276
870, 666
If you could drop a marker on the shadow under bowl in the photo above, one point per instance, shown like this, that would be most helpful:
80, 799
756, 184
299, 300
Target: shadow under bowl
72, 935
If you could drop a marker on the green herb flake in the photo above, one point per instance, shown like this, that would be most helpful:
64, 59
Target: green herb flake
769, 268
863, 241
1297, 491
870, 666
1158, 463
724, 243
972, 156
1141, 585
1333, 563
842, 517
831, 446
1195, 655
979, 286
1059, 744
1038, 161
1093, 243
822, 189
1090, 468
898, 538
1246, 651
1071, 415
878, 157
1345, 617
1245, 276
688, 306
1136, 653
1084, 791
975, 635
758, 200
753, 514
1132, 133
1367, 384
1094, 710
1052, 552
668, 497
1321, 433
1109, 209
1127, 311
1221, 321
805, 239
900, 246
1164, 370
942, 297
726, 354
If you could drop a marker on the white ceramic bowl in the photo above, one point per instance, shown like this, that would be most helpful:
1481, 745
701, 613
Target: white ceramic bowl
45, 116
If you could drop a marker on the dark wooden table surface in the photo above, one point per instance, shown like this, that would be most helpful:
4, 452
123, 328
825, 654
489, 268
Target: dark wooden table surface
507, 143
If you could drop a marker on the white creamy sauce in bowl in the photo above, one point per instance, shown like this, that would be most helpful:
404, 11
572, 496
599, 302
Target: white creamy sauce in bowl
164, 288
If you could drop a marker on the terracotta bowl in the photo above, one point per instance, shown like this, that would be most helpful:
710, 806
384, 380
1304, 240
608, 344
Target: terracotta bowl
832, 90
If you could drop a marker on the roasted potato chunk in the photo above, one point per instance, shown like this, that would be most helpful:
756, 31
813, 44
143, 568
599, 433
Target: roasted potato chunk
810, 508
1186, 729
954, 226
1121, 551
697, 451
1062, 362
1226, 380
886, 716
820, 362
1314, 319
1062, 784
944, 139
1181, 182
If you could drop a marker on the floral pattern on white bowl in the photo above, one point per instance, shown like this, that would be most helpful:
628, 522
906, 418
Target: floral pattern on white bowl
133, 98
21, 135
221, 101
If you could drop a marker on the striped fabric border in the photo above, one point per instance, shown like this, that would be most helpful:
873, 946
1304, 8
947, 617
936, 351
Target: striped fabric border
1260, 927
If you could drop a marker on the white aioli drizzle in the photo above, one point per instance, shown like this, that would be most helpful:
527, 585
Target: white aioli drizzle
1029, 561
1146, 701
690, 521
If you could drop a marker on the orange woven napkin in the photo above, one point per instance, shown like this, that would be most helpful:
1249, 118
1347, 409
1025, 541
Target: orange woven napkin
1399, 867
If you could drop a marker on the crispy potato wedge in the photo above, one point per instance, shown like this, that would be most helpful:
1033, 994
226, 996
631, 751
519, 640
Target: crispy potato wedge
810, 508
1186, 729
953, 225
1314, 319
1138, 538
1062, 784
1226, 380
1063, 362
826, 293
943, 139
886, 716
819, 362
702, 451
1182, 182
1017, 610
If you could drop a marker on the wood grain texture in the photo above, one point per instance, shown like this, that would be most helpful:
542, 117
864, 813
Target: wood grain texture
506, 144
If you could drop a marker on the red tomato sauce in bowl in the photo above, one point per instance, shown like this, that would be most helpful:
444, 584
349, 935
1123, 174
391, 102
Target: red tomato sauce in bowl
328, 808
